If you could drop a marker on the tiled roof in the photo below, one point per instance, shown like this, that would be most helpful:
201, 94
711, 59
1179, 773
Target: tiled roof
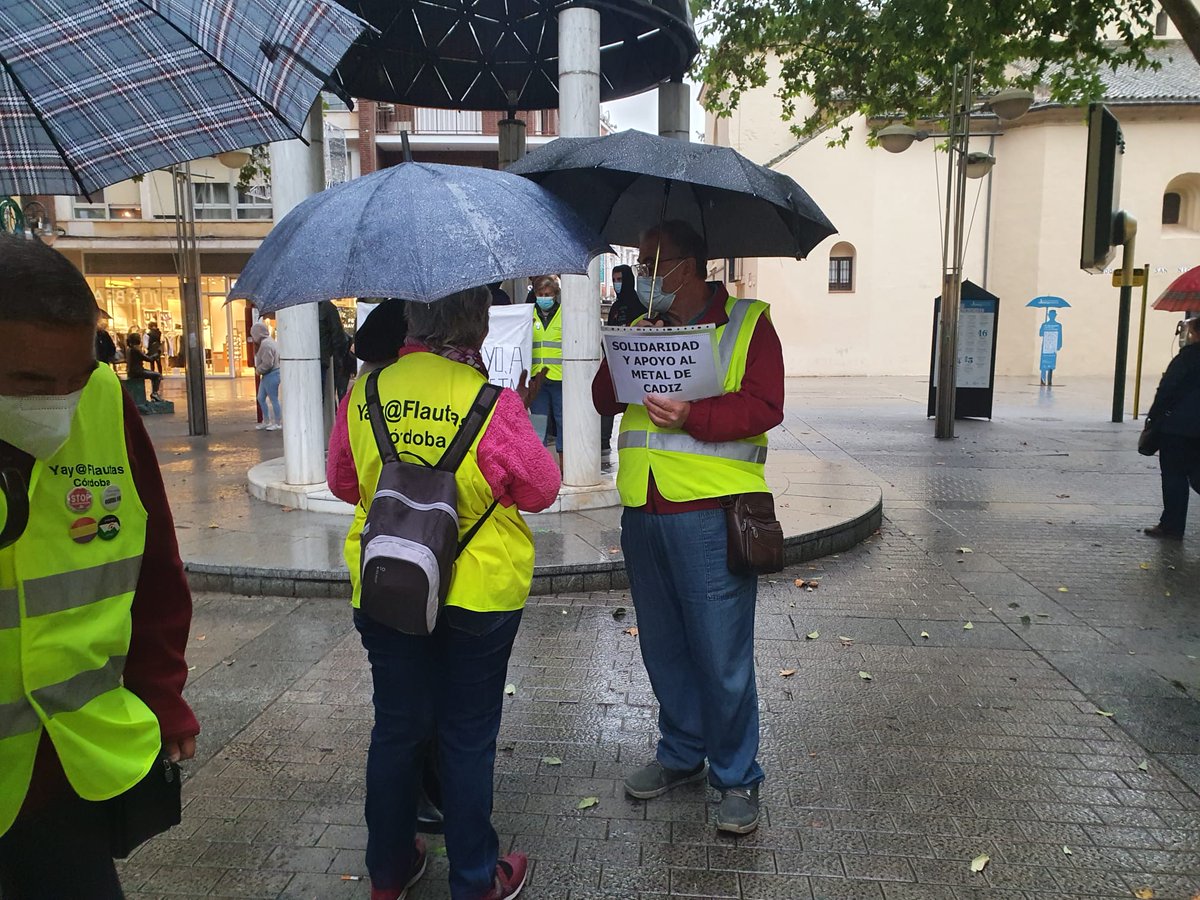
1176, 81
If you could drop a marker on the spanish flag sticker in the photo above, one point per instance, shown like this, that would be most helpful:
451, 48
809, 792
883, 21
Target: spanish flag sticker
83, 530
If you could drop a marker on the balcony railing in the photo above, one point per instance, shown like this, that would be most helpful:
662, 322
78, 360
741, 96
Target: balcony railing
393, 119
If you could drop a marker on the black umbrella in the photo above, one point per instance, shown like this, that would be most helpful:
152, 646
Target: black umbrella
503, 54
618, 185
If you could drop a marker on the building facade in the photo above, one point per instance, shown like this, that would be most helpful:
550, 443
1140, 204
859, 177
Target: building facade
862, 303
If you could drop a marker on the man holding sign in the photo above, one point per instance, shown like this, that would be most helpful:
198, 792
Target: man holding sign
678, 458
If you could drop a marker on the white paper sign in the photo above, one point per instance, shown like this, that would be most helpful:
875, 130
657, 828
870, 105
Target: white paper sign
1050, 342
680, 363
508, 349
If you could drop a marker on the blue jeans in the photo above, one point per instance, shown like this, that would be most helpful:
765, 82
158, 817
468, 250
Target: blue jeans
548, 403
268, 388
696, 628
452, 681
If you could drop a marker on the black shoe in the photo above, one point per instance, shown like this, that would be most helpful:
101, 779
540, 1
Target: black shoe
1159, 532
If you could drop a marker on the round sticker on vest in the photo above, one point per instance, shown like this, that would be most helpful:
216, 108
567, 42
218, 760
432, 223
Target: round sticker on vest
83, 530
109, 527
111, 498
79, 499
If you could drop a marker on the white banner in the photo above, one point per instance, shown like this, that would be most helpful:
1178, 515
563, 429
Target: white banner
509, 346
680, 363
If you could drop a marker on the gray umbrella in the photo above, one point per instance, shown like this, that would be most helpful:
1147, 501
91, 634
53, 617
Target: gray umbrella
618, 183
418, 231
94, 91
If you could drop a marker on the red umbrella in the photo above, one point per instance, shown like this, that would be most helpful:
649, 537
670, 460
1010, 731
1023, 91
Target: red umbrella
1183, 295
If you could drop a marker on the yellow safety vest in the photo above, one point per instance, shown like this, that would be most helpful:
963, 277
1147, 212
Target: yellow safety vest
425, 397
686, 468
547, 345
66, 591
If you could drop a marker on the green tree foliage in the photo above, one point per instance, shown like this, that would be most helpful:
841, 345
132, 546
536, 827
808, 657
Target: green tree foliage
895, 58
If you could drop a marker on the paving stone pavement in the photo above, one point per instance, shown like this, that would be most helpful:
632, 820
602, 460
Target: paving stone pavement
990, 739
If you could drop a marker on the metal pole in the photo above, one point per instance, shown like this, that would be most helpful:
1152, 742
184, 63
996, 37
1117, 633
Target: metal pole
952, 251
987, 215
1137, 383
189, 290
1123, 315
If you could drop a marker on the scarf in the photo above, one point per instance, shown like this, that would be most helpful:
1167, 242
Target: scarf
468, 356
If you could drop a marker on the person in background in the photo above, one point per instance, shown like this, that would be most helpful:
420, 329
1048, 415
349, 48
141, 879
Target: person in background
334, 344
135, 365
678, 459
266, 364
547, 357
451, 682
499, 295
154, 347
92, 671
1175, 415
106, 350
624, 310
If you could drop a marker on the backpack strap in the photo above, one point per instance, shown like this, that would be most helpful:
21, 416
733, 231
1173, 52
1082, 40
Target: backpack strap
471, 425
383, 438
466, 538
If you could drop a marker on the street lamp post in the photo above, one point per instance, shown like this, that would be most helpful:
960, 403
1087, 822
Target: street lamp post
1007, 105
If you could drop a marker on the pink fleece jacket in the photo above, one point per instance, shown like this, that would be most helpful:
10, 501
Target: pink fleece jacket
519, 469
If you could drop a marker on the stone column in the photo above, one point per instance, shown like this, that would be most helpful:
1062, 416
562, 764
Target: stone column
579, 114
674, 110
512, 140
298, 172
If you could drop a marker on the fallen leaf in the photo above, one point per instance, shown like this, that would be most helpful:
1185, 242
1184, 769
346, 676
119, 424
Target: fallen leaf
1014, 606
925, 634
587, 803
510, 689
438, 851
614, 549
787, 673
1106, 715
201, 637
552, 760
1025, 620
213, 525
619, 613
1144, 566
1063, 590
845, 640
969, 626
1067, 850
979, 863
965, 550
632, 630
800, 582
865, 676
812, 635
1143, 766
1144, 893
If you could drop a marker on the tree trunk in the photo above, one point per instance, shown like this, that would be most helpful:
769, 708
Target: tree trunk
1186, 17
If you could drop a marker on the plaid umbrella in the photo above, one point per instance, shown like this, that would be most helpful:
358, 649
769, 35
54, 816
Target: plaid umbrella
95, 91
1183, 294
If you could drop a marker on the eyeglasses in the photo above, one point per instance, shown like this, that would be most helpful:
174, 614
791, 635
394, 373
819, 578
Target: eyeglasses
647, 268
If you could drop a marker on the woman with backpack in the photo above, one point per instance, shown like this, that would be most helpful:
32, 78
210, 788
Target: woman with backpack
450, 681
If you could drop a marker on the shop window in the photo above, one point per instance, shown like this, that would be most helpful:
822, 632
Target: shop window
1181, 205
841, 268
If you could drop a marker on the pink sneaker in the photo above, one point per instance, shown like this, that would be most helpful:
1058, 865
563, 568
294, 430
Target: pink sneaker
510, 877
418, 870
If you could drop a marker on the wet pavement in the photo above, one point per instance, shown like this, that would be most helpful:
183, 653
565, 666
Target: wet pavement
1058, 734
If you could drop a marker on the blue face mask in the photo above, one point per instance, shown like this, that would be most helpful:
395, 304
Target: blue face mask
544, 303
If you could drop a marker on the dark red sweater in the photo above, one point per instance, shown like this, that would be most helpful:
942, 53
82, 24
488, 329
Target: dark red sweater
754, 409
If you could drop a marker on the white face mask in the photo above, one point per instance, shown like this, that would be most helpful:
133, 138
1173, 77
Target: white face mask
39, 424
650, 292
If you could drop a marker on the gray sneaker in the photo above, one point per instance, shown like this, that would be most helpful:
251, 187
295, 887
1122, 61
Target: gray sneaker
655, 779
738, 812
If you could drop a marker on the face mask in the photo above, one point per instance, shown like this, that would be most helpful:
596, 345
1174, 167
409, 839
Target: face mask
617, 287
38, 424
662, 299
546, 303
